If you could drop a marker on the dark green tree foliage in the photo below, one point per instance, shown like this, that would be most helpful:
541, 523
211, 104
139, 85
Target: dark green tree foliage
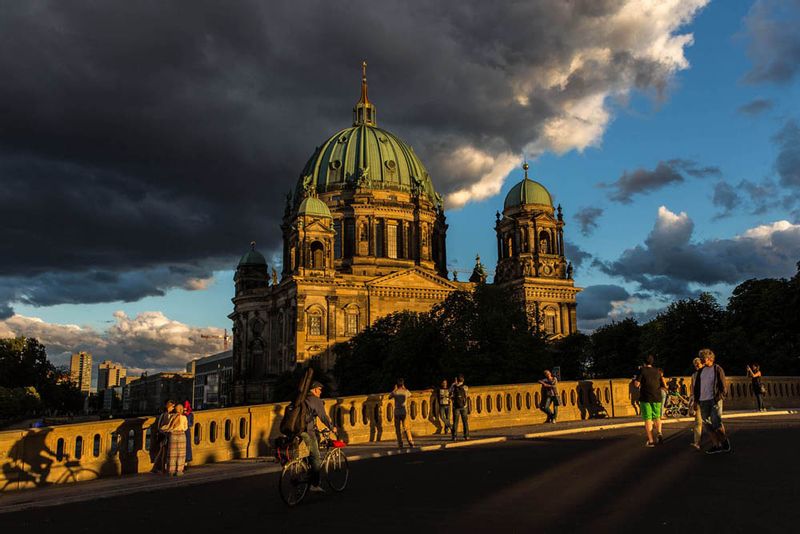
24, 366
287, 383
480, 334
615, 350
676, 335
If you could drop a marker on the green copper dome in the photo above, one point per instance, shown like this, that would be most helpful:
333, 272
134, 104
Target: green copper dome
527, 192
314, 207
366, 157
252, 257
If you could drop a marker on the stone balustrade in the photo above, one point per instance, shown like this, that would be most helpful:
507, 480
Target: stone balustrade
84, 451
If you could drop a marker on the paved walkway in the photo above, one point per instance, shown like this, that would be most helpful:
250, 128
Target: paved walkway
118, 486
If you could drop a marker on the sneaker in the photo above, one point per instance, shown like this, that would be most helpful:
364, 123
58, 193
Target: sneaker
716, 449
695, 446
726, 447
660, 439
649, 444
466, 438
316, 489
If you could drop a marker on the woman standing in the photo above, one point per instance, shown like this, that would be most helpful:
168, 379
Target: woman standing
176, 441
187, 411
697, 429
754, 372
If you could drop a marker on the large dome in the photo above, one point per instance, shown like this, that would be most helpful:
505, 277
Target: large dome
367, 157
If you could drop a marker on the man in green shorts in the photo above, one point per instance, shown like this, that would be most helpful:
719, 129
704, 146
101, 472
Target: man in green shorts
649, 384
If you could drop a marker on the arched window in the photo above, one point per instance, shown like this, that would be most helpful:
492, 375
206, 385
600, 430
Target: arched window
317, 255
314, 320
351, 320
550, 321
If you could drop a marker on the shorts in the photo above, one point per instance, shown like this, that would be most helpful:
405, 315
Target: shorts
650, 410
711, 412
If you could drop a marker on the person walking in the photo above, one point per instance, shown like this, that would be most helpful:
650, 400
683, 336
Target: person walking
176, 441
549, 396
400, 395
649, 384
663, 391
709, 392
187, 411
458, 397
443, 400
316, 410
158, 448
697, 428
754, 372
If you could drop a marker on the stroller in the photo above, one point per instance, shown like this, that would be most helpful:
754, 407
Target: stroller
676, 405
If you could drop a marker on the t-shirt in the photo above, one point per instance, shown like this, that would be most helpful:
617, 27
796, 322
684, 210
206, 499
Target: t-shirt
400, 396
707, 384
649, 385
444, 396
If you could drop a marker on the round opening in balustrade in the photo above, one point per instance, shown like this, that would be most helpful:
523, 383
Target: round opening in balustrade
425, 412
528, 400
228, 430
198, 433
488, 404
519, 401
242, 428
413, 410
478, 404
96, 445
212, 432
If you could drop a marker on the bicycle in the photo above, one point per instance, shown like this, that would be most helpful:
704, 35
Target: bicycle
294, 480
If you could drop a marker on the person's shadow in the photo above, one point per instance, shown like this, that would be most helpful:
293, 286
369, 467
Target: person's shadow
374, 415
633, 395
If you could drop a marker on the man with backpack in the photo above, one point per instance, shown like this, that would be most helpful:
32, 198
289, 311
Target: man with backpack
458, 397
315, 408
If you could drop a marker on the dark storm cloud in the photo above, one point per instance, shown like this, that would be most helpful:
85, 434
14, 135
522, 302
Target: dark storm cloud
575, 254
641, 181
756, 107
587, 219
774, 47
594, 302
668, 261
725, 197
138, 135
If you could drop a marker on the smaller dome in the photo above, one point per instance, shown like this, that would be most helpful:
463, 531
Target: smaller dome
313, 206
252, 257
527, 192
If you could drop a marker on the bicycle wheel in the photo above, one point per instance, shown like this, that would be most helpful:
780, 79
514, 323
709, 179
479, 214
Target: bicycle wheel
336, 470
293, 483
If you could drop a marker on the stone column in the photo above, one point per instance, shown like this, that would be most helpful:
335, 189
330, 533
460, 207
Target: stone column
332, 301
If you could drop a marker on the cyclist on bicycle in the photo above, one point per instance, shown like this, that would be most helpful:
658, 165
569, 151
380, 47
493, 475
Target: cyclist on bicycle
316, 409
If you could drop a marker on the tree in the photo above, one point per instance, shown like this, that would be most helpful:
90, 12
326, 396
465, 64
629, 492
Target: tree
615, 350
35, 383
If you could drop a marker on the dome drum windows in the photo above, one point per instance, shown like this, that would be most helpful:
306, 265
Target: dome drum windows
550, 320
317, 255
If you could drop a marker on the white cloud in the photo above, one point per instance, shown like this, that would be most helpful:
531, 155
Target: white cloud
149, 341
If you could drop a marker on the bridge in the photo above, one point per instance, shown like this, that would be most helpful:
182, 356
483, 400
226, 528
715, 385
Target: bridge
516, 472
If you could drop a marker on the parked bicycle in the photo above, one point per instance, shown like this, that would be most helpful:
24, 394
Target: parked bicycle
294, 481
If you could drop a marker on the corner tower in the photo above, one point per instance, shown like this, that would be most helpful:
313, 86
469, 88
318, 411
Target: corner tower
531, 259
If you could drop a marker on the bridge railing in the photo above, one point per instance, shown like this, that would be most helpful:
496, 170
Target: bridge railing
84, 451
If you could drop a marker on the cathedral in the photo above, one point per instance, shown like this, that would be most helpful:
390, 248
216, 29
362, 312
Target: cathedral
364, 235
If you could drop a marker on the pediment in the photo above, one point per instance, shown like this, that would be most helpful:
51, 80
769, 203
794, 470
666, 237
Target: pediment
413, 278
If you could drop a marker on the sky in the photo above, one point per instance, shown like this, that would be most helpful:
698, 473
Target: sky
144, 145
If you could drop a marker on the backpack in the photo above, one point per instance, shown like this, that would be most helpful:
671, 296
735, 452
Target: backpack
459, 397
295, 417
